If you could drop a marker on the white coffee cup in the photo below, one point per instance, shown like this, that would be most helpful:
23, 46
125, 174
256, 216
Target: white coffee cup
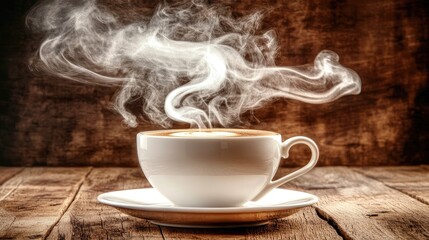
216, 167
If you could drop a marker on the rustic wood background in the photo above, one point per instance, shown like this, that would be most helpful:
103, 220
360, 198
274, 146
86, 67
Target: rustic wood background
49, 121
395, 206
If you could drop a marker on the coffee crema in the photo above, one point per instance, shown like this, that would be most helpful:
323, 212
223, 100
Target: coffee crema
210, 133
204, 134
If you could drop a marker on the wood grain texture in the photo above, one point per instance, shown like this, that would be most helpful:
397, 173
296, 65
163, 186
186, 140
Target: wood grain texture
33, 201
50, 121
411, 180
302, 225
43, 201
88, 219
8, 172
364, 208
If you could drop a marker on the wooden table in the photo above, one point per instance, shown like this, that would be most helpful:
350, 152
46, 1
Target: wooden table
355, 203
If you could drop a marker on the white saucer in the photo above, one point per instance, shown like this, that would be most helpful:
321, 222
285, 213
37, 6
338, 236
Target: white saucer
148, 203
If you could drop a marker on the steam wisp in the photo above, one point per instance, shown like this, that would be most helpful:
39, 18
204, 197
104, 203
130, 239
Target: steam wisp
188, 62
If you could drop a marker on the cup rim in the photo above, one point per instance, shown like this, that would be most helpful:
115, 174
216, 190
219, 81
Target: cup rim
265, 133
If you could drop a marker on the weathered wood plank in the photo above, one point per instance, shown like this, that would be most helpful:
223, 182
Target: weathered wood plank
8, 172
302, 225
33, 201
357, 206
88, 219
364, 208
411, 180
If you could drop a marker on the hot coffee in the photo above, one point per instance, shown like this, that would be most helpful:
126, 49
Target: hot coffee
215, 167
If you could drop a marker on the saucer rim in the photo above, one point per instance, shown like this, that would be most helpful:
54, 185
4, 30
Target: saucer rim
242, 209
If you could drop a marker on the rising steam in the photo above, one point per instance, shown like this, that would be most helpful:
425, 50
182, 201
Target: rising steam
190, 62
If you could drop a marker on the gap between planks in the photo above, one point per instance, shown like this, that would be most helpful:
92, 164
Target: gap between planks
39, 196
348, 198
162, 234
5, 177
331, 221
48, 232
86, 218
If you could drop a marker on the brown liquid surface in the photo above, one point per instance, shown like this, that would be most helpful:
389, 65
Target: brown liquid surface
212, 132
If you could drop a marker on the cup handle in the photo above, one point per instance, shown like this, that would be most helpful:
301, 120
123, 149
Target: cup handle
285, 147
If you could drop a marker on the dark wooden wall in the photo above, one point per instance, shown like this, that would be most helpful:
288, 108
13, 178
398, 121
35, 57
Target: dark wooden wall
49, 121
